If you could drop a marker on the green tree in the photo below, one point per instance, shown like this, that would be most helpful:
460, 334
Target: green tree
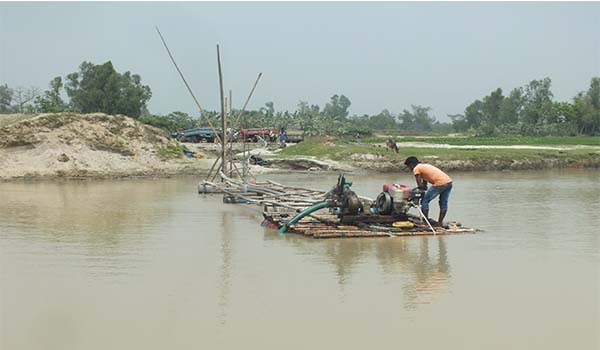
269, 108
308, 118
100, 88
474, 115
512, 107
337, 107
172, 122
418, 119
51, 101
382, 121
587, 109
459, 122
491, 109
6, 96
538, 106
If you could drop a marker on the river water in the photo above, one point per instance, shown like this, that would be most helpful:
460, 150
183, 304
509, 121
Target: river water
151, 264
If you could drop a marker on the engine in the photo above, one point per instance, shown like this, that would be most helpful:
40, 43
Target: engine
342, 200
397, 199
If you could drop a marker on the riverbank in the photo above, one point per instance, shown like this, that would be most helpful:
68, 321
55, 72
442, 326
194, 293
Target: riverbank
84, 146
79, 146
376, 157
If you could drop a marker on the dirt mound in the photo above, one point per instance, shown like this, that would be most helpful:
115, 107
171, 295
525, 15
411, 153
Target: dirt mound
86, 145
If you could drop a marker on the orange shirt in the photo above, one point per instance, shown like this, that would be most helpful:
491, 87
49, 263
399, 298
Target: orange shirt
431, 174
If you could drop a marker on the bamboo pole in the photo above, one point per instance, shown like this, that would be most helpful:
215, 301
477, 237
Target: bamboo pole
248, 99
213, 167
231, 143
219, 168
223, 115
245, 168
200, 109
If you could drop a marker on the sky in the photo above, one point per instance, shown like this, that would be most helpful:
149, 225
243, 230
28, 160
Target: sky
384, 55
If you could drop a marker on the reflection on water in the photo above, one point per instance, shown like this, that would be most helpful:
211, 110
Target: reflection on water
420, 262
150, 264
226, 254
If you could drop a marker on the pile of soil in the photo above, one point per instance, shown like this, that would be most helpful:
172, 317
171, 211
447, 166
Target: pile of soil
87, 145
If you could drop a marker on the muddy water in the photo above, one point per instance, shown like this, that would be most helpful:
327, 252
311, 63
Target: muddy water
150, 264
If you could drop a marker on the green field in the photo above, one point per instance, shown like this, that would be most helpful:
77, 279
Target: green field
342, 150
496, 140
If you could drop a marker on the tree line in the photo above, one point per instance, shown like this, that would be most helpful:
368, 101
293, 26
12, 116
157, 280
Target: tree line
526, 110
532, 110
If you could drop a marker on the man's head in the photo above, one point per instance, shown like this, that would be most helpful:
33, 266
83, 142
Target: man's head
411, 162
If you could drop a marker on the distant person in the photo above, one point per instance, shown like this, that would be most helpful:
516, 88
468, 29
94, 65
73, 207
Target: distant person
282, 137
441, 184
357, 137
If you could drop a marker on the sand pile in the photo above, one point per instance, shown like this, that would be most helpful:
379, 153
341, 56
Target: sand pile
87, 145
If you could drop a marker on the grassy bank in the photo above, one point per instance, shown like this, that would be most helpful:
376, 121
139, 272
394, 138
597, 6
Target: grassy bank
376, 157
495, 140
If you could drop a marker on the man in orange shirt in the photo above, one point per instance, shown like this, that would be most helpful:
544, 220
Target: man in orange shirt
441, 184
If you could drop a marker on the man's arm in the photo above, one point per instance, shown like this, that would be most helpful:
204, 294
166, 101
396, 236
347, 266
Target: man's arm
422, 184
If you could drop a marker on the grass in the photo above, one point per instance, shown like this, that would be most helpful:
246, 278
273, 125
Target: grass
496, 140
343, 150
170, 151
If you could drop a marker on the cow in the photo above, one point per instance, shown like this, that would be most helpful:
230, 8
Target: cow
391, 145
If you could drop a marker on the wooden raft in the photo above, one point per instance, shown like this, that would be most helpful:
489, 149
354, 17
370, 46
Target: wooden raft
325, 225
281, 203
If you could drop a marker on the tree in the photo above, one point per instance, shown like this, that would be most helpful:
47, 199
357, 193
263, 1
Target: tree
22, 99
512, 107
474, 114
587, 109
172, 122
418, 119
17, 100
6, 96
337, 107
100, 88
382, 121
538, 104
308, 117
491, 108
51, 101
269, 108
459, 122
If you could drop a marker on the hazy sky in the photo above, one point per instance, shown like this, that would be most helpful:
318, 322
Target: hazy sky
380, 55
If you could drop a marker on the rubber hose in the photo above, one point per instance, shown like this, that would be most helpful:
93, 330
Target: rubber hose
302, 214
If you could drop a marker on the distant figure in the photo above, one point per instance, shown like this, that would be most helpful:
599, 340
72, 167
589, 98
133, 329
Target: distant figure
441, 184
357, 137
282, 138
229, 135
391, 145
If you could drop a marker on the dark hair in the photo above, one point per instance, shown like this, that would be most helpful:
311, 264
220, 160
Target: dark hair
411, 161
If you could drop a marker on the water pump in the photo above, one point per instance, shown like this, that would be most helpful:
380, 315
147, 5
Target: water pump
342, 200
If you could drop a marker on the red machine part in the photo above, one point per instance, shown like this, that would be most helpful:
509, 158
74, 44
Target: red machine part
401, 187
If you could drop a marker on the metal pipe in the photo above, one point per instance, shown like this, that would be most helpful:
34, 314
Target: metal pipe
426, 220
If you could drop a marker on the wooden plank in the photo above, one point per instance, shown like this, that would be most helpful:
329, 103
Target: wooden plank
347, 234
